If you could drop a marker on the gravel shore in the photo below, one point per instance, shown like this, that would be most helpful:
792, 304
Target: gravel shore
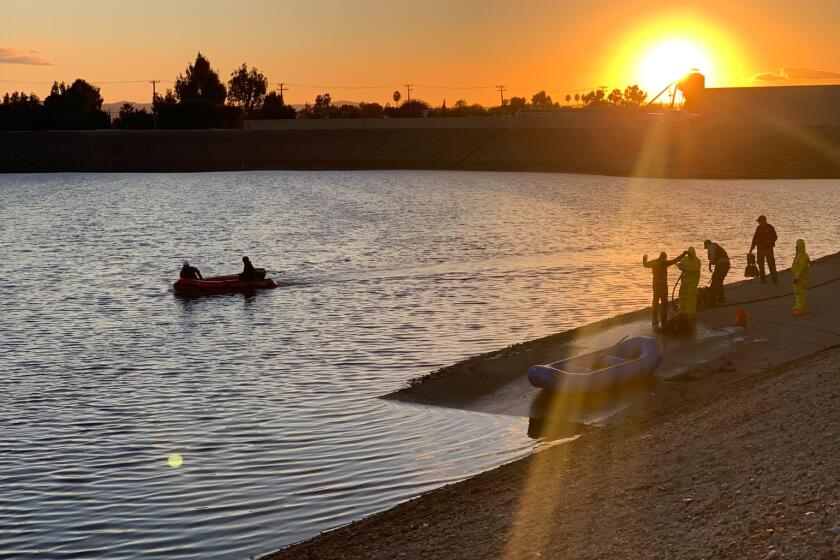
750, 471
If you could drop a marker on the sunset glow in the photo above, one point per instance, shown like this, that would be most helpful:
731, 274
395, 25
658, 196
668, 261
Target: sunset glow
660, 51
670, 61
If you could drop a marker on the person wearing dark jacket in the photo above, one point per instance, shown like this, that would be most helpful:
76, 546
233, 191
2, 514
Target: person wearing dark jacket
720, 260
764, 240
190, 272
659, 267
249, 272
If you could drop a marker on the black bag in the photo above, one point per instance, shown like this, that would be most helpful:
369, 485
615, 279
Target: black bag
704, 298
751, 271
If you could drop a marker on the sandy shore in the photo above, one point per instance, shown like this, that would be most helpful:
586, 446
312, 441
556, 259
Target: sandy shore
711, 462
731, 475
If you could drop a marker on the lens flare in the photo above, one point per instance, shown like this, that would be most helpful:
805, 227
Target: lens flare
175, 460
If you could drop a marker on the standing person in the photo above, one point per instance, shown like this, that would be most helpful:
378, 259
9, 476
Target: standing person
659, 268
801, 270
690, 266
764, 240
720, 260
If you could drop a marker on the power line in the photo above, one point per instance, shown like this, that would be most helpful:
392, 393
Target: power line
342, 87
408, 91
501, 94
88, 81
283, 89
154, 101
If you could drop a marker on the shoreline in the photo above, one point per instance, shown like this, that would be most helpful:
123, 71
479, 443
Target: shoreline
653, 150
684, 415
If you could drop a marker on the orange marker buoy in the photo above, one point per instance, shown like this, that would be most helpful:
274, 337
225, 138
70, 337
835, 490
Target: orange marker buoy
740, 317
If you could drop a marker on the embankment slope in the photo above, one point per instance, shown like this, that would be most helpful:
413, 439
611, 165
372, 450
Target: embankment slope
731, 476
656, 150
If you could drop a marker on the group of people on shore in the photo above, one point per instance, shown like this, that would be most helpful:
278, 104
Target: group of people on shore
764, 242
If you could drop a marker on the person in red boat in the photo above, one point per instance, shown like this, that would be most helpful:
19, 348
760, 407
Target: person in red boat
190, 272
249, 272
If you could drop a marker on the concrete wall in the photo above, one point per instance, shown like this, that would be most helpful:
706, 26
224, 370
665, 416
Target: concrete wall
656, 150
548, 119
774, 106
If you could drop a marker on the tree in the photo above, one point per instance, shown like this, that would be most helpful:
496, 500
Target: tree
78, 106
517, 103
20, 111
577, 99
132, 119
541, 100
595, 98
396, 97
634, 96
370, 110
347, 111
273, 107
568, 99
414, 108
246, 88
201, 83
615, 97
464, 109
323, 104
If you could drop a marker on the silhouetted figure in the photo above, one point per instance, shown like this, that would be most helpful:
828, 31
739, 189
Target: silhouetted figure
249, 272
720, 261
690, 267
190, 272
764, 240
659, 267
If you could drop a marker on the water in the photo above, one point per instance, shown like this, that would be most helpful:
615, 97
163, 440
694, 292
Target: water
272, 399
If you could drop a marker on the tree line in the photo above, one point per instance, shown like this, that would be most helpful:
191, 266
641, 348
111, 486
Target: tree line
199, 99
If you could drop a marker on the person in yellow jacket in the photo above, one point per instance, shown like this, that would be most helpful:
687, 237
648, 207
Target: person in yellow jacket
690, 266
801, 269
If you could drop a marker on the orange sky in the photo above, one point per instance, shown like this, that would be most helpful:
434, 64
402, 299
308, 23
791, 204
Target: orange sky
558, 46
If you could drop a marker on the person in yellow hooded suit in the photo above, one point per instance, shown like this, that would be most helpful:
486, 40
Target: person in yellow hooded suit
801, 269
690, 266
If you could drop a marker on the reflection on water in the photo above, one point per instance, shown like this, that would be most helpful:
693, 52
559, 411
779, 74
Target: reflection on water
270, 400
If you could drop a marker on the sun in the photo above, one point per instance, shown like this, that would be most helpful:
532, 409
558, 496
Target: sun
669, 61
654, 52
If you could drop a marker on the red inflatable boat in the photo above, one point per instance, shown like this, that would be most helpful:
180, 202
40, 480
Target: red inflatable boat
222, 284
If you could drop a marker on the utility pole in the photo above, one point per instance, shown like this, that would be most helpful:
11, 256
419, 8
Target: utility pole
283, 89
154, 100
501, 94
408, 92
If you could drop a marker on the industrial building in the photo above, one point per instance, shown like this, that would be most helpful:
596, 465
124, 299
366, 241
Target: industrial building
777, 106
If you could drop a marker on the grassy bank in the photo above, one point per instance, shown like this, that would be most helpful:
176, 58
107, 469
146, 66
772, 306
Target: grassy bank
681, 150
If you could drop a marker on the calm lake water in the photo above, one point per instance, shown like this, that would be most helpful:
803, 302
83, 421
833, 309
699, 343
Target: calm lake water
271, 400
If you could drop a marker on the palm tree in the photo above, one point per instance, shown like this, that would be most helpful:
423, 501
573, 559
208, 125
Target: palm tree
396, 97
